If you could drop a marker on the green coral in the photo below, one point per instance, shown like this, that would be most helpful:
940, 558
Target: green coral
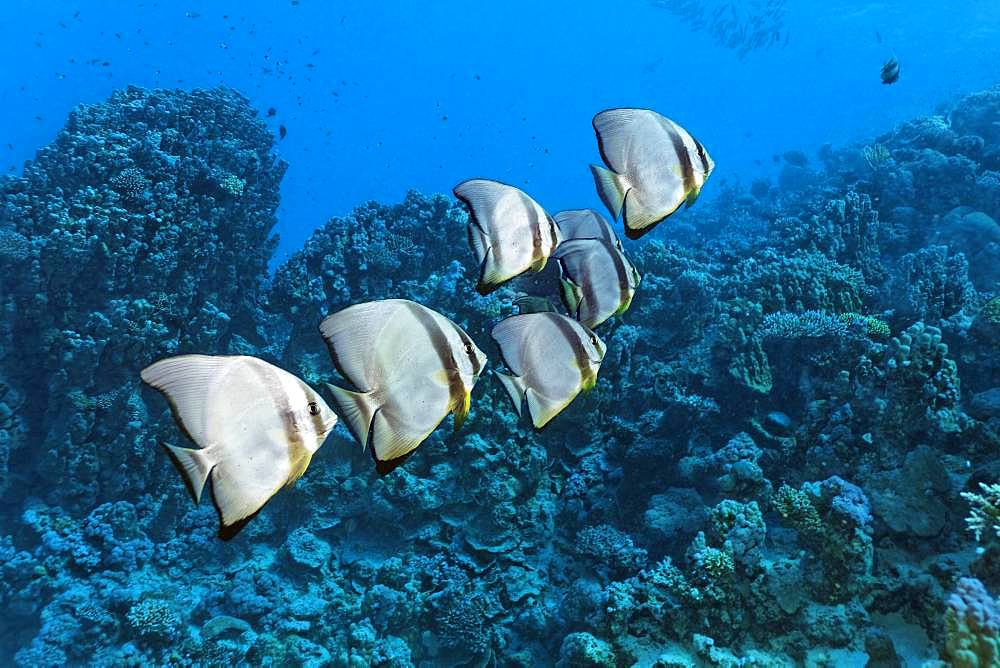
718, 563
875, 328
991, 311
232, 184
154, 619
795, 505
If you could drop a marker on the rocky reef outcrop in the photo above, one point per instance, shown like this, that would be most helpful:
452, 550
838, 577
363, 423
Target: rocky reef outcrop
793, 422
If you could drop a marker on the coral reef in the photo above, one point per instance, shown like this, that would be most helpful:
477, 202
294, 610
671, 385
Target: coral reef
791, 423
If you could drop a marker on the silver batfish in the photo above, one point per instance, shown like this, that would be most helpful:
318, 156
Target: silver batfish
585, 224
653, 166
257, 427
552, 359
411, 367
508, 231
598, 280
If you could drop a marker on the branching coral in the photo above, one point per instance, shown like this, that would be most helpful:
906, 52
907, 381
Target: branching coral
984, 511
130, 183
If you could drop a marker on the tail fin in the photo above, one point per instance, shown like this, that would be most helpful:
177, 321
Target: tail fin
357, 410
515, 388
609, 187
194, 467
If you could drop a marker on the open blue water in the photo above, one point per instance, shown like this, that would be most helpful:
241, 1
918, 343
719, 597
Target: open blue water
365, 90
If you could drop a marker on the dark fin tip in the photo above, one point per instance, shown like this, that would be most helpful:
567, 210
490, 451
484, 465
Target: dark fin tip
228, 531
485, 288
387, 466
635, 234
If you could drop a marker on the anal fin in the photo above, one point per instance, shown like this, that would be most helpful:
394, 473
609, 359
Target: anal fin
515, 388
609, 187
390, 446
543, 409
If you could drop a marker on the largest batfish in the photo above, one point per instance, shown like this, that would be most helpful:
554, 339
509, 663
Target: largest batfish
257, 427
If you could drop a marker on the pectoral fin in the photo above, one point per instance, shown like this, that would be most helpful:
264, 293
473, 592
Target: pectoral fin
462, 410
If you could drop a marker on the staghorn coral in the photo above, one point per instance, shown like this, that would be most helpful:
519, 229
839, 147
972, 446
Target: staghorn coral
807, 325
984, 511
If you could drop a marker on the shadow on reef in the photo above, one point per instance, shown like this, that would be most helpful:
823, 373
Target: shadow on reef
771, 468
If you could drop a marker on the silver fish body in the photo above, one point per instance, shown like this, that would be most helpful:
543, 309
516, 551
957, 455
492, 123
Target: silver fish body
257, 427
411, 367
598, 280
552, 359
653, 167
585, 224
508, 231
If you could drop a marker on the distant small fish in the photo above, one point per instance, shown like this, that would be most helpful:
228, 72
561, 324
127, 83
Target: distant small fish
878, 37
271, 112
890, 71
282, 131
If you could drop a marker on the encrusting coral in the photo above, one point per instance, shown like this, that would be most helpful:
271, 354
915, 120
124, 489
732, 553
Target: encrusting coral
773, 462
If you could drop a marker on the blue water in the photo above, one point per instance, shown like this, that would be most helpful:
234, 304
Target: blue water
365, 91
791, 455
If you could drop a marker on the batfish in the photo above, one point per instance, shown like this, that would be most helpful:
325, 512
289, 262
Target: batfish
257, 427
654, 166
410, 367
598, 281
585, 224
508, 231
551, 357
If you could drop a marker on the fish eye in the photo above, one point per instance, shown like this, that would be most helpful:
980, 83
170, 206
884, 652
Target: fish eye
313, 408
593, 339
468, 349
